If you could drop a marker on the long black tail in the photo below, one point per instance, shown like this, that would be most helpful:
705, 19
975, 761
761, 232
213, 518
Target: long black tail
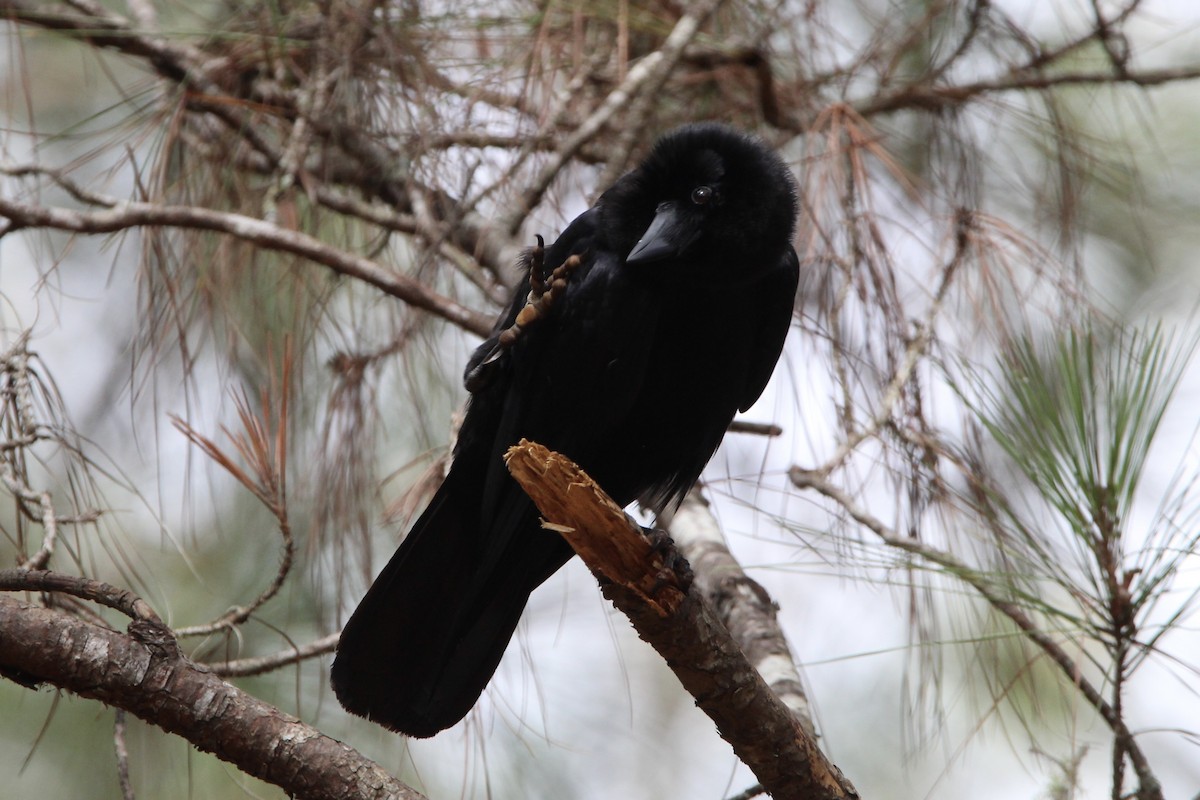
427, 637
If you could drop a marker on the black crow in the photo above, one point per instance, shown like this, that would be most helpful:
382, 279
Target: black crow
656, 316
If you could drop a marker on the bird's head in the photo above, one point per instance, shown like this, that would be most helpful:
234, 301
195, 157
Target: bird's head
706, 198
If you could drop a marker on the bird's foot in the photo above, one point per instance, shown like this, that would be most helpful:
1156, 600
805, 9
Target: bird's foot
675, 570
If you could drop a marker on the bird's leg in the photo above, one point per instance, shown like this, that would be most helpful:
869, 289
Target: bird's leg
543, 293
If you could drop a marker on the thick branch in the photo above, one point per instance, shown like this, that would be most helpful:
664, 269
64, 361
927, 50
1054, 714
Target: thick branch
742, 604
681, 627
145, 674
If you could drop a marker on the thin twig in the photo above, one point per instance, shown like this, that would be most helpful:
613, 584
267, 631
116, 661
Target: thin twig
41, 580
646, 72
49, 520
265, 453
756, 428
121, 215
1150, 788
122, 753
246, 667
757, 790
915, 349
938, 98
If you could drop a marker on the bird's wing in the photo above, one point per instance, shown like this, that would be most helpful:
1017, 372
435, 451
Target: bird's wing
569, 381
774, 320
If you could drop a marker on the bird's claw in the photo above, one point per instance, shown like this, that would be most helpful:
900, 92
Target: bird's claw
675, 572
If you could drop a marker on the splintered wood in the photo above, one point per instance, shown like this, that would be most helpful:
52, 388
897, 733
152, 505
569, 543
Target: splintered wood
574, 506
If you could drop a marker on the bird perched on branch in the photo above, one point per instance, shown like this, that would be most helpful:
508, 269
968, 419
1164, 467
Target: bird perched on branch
628, 346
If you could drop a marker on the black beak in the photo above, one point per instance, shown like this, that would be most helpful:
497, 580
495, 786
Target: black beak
667, 237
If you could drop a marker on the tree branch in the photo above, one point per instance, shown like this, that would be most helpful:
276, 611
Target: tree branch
647, 72
367, 163
124, 214
680, 626
937, 98
145, 674
43, 580
742, 604
1150, 788
246, 667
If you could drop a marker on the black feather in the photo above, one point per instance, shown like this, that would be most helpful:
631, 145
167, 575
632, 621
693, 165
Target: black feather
672, 321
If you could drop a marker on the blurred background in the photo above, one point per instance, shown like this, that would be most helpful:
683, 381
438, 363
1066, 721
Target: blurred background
990, 355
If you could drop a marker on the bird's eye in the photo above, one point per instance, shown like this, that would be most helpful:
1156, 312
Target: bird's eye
702, 194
